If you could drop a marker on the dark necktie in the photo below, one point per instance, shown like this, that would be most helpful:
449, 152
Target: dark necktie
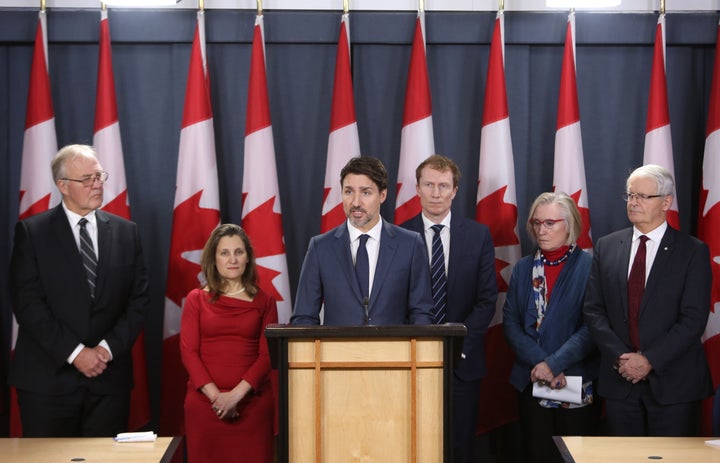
362, 267
88, 256
635, 289
437, 276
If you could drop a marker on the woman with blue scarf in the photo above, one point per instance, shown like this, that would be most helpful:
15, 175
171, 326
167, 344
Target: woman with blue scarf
543, 324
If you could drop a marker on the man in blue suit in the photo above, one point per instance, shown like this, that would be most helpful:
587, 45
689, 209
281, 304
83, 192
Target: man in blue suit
396, 282
653, 370
471, 286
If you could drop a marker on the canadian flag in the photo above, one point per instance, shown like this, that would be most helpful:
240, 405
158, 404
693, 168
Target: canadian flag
658, 140
261, 212
569, 166
708, 226
497, 207
196, 214
108, 146
37, 189
416, 142
343, 142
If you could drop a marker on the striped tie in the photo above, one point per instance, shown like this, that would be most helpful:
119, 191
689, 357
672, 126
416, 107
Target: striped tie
88, 256
437, 277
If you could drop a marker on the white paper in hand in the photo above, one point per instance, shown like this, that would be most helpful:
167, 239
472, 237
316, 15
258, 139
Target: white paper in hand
571, 393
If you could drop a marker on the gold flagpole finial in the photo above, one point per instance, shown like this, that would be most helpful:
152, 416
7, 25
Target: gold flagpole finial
346, 6
662, 6
201, 5
259, 7
421, 5
103, 6
501, 5
42, 5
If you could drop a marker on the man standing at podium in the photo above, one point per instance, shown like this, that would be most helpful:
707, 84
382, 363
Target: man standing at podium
464, 288
365, 271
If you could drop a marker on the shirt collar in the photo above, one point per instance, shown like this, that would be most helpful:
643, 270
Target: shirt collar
374, 232
654, 235
427, 223
74, 218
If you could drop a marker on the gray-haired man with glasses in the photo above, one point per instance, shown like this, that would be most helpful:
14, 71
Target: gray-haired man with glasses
78, 285
647, 303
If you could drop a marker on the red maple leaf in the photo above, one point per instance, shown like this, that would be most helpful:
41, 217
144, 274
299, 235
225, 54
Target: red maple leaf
501, 283
708, 225
584, 240
499, 216
264, 227
119, 206
191, 228
333, 217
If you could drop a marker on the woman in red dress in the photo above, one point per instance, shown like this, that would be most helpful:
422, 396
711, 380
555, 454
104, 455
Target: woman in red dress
229, 405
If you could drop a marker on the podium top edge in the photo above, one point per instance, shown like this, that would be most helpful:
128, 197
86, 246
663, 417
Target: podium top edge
366, 331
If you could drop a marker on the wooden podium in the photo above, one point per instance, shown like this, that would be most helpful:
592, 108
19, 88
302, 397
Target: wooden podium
365, 393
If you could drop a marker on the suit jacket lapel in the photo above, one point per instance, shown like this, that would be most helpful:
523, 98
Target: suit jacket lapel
457, 245
104, 247
62, 230
623, 263
661, 262
386, 255
342, 251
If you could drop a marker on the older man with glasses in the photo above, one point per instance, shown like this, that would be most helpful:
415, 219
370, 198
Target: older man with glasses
647, 303
78, 286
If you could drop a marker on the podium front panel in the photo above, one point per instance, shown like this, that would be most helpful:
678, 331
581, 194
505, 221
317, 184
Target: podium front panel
365, 400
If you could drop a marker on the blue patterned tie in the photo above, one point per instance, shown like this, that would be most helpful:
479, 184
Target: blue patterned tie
362, 267
437, 277
88, 256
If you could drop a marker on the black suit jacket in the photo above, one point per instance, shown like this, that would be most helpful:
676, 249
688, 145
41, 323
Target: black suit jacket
472, 287
52, 304
673, 314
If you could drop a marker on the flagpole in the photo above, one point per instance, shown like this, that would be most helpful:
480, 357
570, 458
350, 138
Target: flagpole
42, 6
662, 6
501, 5
259, 7
346, 6
421, 5
201, 5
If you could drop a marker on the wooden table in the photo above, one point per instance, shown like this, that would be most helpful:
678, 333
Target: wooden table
637, 449
87, 450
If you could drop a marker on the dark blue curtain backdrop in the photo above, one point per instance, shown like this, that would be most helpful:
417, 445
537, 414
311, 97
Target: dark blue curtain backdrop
151, 51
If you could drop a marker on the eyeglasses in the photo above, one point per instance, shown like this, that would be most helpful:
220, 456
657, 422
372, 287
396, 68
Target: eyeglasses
89, 180
640, 197
547, 223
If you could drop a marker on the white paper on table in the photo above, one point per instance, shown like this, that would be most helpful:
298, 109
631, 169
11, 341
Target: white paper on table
571, 393
713, 442
147, 436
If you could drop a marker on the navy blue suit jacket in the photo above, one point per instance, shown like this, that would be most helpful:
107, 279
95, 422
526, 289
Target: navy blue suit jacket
472, 287
400, 292
673, 314
51, 301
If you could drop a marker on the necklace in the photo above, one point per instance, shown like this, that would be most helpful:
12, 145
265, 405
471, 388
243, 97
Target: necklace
235, 293
553, 263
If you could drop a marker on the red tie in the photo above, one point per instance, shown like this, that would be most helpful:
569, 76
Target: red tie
635, 289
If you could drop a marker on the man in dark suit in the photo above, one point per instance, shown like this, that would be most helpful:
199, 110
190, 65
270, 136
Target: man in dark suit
78, 286
471, 286
395, 289
653, 371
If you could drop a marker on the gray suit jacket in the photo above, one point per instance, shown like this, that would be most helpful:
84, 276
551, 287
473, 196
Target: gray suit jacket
400, 293
673, 314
